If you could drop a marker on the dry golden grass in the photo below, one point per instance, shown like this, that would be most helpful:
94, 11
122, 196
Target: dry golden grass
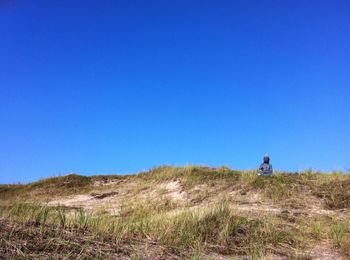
178, 212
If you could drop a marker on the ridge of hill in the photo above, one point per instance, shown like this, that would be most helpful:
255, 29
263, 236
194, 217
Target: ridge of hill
172, 212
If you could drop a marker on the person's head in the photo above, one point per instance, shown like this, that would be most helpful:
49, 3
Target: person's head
266, 159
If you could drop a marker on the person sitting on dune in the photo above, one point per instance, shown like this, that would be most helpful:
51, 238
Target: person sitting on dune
265, 168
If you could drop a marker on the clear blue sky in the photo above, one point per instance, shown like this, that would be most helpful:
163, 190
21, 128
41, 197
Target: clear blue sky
103, 87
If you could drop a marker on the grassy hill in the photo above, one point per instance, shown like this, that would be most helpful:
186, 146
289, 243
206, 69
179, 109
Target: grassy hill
178, 213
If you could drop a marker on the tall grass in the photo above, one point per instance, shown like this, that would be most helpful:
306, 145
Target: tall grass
216, 228
337, 232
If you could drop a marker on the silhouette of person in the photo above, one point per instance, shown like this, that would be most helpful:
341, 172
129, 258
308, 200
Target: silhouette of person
265, 168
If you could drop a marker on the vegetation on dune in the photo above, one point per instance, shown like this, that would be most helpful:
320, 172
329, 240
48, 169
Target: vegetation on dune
336, 193
203, 223
62, 185
216, 229
334, 187
69, 184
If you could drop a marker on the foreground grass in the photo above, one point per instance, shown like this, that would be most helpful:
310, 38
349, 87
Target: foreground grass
34, 230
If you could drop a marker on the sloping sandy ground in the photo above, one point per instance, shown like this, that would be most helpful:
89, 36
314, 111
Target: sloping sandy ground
250, 204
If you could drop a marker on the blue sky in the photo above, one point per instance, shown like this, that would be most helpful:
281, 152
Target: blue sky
105, 87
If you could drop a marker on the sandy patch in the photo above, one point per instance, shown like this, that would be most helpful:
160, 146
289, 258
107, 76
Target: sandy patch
109, 201
173, 190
